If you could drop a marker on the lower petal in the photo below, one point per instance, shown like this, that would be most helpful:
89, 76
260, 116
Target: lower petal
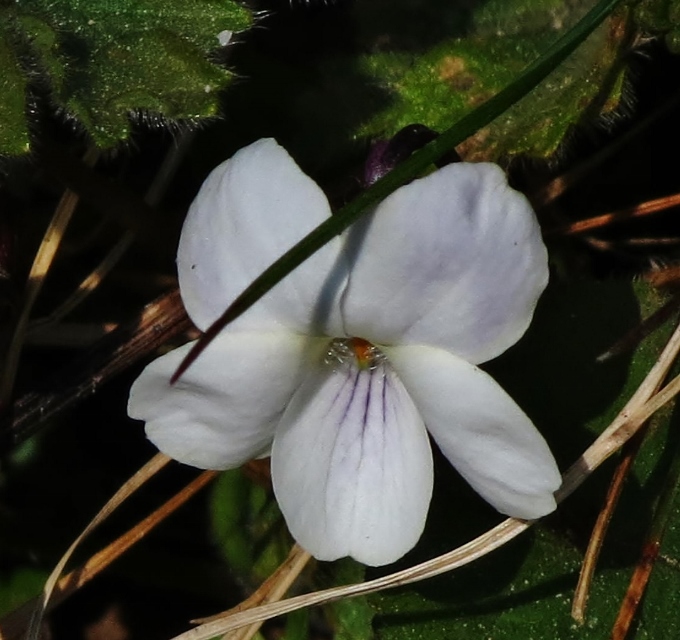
481, 430
352, 465
222, 412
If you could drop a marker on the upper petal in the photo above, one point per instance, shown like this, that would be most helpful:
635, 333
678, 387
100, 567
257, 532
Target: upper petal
481, 430
250, 210
222, 412
454, 260
352, 465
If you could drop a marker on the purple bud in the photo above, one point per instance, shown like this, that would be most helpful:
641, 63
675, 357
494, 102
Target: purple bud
385, 155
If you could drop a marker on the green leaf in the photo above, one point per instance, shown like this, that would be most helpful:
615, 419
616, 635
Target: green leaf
248, 527
524, 590
105, 61
44, 47
297, 625
492, 42
352, 618
18, 587
126, 76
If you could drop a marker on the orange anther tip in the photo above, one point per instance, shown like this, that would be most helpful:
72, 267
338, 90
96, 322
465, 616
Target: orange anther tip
363, 350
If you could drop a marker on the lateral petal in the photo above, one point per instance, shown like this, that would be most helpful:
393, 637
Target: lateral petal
481, 430
453, 260
223, 411
250, 210
352, 465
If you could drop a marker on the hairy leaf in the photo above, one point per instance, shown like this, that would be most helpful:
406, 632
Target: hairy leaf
105, 61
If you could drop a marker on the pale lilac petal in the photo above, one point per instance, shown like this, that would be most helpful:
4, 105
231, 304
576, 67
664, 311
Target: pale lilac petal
481, 430
223, 410
250, 210
454, 260
352, 466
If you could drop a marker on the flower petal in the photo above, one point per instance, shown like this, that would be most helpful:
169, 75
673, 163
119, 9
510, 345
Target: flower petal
352, 465
222, 412
454, 260
481, 430
250, 210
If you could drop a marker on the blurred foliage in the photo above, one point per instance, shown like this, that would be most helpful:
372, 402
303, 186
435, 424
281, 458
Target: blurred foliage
18, 586
100, 62
13, 126
248, 527
661, 17
350, 619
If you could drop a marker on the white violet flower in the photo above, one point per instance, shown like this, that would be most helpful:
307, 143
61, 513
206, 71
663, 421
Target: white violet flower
342, 369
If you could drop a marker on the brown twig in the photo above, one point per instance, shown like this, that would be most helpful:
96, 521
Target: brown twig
629, 452
623, 215
663, 513
41, 265
639, 332
561, 184
159, 322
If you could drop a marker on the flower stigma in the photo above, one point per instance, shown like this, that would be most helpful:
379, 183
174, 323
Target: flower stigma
343, 351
